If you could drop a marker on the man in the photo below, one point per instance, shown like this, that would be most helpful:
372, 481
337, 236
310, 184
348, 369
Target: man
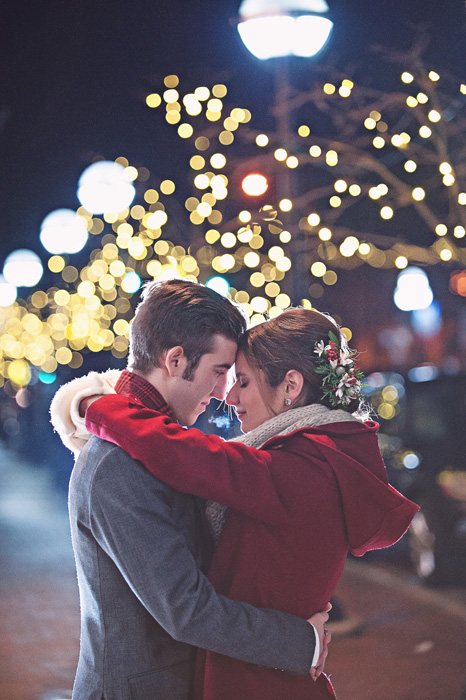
140, 545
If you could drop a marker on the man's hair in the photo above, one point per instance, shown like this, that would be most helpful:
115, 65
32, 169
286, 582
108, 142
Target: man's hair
179, 312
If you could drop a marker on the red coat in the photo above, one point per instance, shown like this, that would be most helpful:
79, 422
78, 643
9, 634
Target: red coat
297, 505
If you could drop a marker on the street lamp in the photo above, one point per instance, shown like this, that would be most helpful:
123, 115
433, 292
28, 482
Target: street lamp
277, 28
280, 29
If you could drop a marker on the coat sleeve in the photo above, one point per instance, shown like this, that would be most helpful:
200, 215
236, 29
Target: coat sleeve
134, 521
238, 476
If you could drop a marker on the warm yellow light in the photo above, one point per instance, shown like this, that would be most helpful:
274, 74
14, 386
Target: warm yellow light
325, 234
401, 262
462, 198
158, 219
227, 261
228, 240
218, 161
61, 297
331, 158
167, 187
280, 154
85, 289
446, 254
411, 101
172, 118
285, 204
370, 123
410, 166
252, 259
407, 77
459, 231
448, 179
257, 279
441, 230
318, 269
230, 124
445, 168
313, 219
329, 89
386, 212
334, 201
397, 140
422, 98
418, 194
215, 105
219, 90
425, 132
185, 131
201, 181
283, 301
340, 185
434, 76
260, 305
434, 116
463, 89
212, 236
19, 372
378, 142
197, 162
202, 143
117, 268
151, 196
262, 140
344, 91
354, 190
171, 81
275, 253
292, 162
272, 289
245, 216
285, 236
56, 263
304, 131
364, 248
153, 100
374, 193
315, 151
254, 184
204, 209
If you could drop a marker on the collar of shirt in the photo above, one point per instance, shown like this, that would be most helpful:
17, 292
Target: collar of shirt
131, 384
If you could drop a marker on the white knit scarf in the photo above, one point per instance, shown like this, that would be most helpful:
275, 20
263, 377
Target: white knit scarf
283, 424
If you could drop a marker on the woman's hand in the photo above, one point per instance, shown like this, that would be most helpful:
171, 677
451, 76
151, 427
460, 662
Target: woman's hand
318, 621
85, 403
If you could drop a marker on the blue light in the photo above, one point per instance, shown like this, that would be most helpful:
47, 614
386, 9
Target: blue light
427, 321
47, 377
131, 282
219, 285
411, 461
424, 373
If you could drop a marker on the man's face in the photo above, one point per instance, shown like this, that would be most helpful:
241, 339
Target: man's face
188, 399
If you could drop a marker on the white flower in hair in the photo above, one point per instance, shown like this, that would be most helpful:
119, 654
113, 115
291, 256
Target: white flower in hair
320, 348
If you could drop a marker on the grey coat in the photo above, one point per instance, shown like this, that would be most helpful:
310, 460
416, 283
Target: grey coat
145, 605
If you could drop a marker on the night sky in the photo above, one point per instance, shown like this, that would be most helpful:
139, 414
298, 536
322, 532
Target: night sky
75, 73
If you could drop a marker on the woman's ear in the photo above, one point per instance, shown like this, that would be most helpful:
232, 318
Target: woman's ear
175, 361
293, 385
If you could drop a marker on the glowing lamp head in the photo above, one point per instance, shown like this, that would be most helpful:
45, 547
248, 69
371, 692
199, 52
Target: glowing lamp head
254, 185
284, 27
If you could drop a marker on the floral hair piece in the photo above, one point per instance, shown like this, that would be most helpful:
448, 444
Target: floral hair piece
341, 380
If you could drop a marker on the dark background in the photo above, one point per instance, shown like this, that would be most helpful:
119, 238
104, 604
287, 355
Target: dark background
75, 73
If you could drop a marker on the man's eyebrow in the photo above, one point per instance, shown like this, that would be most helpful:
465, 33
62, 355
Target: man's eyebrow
224, 366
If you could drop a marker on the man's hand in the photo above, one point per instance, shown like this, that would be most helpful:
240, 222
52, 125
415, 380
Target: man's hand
318, 621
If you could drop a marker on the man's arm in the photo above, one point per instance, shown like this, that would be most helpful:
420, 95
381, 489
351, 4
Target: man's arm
133, 521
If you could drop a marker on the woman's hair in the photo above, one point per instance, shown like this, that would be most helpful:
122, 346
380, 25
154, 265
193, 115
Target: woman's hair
287, 342
180, 312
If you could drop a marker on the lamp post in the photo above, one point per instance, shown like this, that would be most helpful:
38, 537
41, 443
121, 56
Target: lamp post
280, 29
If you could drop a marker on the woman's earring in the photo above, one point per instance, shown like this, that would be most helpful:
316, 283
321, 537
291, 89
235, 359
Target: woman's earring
287, 402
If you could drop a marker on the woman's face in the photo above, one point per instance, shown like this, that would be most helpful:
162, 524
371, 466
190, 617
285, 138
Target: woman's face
246, 397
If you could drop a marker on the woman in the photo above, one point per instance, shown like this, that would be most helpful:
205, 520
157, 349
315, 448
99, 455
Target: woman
304, 485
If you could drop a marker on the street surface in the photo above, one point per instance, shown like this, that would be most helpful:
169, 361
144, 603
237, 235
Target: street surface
413, 644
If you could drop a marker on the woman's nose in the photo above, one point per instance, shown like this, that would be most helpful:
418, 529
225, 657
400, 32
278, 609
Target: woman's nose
232, 396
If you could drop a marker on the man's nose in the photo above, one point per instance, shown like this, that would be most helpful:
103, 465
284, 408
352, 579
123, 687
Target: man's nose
219, 390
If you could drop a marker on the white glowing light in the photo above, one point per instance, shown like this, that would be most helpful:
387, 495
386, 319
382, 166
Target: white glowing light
131, 282
219, 285
104, 187
284, 27
413, 290
8, 292
23, 268
63, 231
